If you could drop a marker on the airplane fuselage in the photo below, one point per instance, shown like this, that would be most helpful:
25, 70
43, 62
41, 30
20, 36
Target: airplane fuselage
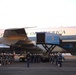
68, 36
67, 33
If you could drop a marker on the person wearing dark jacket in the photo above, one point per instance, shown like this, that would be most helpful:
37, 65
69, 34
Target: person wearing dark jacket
28, 57
60, 58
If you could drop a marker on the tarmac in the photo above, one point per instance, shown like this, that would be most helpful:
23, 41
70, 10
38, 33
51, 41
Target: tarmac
20, 68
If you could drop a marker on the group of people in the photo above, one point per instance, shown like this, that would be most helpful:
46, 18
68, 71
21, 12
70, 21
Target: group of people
33, 58
56, 58
6, 58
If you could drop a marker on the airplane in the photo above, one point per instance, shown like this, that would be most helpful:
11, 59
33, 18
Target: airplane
68, 37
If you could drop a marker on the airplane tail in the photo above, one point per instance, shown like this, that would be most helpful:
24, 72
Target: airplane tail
15, 32
11, 36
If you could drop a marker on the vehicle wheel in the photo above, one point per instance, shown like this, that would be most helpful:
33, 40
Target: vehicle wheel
20, 59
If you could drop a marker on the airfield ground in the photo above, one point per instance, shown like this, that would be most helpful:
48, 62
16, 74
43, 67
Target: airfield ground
20, 68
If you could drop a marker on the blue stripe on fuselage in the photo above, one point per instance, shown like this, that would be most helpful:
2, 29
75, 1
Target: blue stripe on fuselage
69, 37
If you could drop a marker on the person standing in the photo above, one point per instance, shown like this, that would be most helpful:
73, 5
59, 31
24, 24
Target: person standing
56, 58
60, 58
28, 57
